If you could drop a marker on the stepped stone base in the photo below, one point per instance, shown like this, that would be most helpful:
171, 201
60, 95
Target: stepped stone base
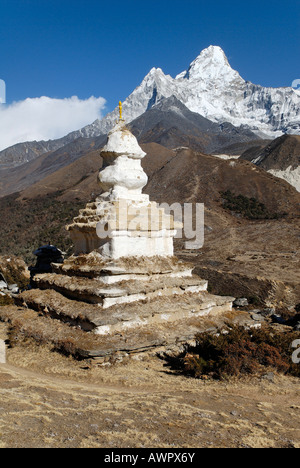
28, 323
116, 319
103, 306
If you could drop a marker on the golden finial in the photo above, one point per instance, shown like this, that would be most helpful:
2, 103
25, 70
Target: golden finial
120, 111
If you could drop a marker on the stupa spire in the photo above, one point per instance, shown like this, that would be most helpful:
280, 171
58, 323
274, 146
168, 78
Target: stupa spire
120, 112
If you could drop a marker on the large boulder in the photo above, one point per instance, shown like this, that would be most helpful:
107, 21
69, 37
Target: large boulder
14, 271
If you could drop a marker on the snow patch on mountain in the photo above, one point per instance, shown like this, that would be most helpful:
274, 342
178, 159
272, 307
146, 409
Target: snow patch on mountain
292, 176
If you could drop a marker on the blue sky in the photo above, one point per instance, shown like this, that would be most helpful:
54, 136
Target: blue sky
68, 62
99, 48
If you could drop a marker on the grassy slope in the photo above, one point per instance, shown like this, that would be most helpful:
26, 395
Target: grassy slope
25, 225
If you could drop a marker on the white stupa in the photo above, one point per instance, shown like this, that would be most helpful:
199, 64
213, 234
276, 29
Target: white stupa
123, 222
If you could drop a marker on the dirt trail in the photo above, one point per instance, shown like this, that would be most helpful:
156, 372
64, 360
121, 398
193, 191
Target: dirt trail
63, 383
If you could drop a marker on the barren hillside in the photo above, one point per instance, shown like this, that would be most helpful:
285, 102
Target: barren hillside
267, 247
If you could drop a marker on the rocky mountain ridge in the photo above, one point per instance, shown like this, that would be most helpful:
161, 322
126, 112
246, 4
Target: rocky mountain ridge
209, 87
170, 124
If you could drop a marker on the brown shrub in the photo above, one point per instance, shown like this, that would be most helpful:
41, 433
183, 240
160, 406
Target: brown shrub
238, 352
6, 300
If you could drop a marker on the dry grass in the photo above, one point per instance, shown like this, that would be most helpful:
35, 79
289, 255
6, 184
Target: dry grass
49, 400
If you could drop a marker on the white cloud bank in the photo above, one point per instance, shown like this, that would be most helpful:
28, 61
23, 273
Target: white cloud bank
45, 118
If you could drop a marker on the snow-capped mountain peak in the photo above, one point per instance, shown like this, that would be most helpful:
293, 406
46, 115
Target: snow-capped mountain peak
157, 79
211, 64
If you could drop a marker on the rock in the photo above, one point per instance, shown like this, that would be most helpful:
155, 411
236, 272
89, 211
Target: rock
297, 327
3, 285
268, 312
13, 270
241, 302
13, 288
269, 376
256, 325
257, 317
